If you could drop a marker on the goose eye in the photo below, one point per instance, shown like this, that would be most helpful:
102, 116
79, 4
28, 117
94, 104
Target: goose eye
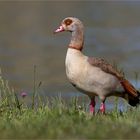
68, 22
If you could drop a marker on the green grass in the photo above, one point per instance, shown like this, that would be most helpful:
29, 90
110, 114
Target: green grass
60, 120
56, 118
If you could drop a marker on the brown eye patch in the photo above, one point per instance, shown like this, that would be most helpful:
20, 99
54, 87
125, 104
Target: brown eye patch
68, 22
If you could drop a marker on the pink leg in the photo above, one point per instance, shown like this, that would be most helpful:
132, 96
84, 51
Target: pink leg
92, 106
102, 107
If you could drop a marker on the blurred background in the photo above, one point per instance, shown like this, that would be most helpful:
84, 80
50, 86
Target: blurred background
112, 31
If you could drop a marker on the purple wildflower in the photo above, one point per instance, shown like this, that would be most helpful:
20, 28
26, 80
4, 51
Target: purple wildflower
23, 94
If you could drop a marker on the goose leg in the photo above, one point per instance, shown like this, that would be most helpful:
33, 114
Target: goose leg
92, 106
102, 107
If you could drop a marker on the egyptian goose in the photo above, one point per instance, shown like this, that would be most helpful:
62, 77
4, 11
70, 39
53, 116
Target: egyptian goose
93, 76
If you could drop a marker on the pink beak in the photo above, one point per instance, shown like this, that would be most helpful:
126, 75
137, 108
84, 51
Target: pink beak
60, 29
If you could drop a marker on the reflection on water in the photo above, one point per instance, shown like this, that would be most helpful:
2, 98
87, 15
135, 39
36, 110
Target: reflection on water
112, 31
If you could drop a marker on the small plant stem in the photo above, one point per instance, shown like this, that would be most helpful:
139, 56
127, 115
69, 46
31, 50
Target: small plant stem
18, 105
136, 77
34, 88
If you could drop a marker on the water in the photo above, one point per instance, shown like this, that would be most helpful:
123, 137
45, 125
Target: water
112, 31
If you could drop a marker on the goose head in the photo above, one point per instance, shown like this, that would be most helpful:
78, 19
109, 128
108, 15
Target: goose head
69, 24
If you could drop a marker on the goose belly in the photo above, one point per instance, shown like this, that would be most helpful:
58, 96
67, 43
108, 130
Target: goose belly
90, 79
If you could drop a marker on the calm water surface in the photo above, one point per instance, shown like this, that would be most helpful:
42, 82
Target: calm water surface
112, 31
